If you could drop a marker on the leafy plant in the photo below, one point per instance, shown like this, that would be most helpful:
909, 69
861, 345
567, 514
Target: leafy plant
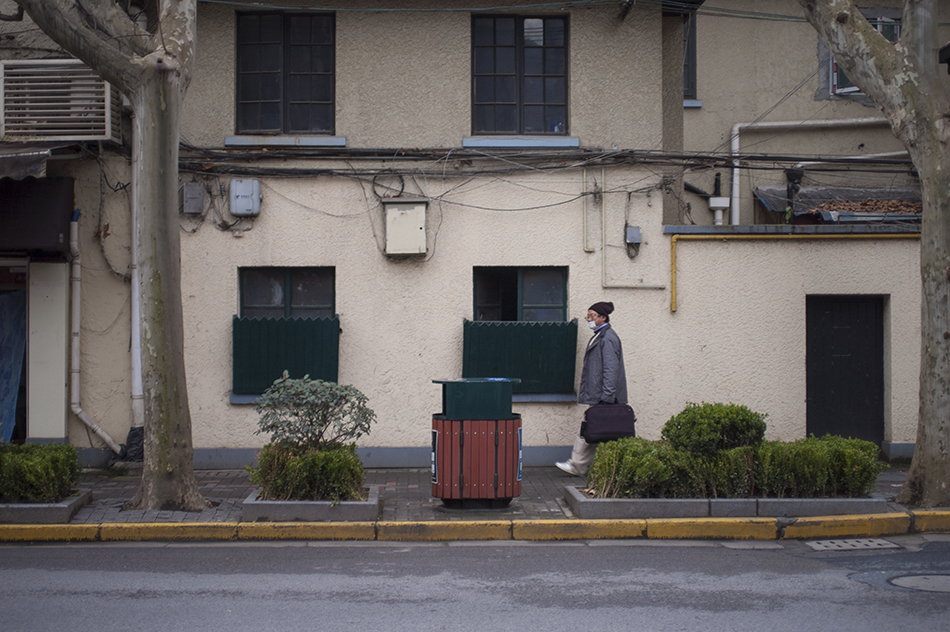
37, 473
312, 454
313, 414
709, 428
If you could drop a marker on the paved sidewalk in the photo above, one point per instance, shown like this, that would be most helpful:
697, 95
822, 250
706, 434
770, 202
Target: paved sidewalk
406, 496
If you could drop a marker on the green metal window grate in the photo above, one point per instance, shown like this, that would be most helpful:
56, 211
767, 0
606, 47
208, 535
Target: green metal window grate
264, 348
541, 354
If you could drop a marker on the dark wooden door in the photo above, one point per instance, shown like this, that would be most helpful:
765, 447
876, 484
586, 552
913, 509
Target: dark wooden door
845, 366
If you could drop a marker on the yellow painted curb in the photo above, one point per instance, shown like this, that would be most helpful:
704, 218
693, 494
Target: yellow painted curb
931, 521
438, 530
577, 529
168, 531
858, 526
306, 531
712, 528
48, 532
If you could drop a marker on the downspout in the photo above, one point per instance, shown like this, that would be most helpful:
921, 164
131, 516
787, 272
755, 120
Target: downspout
76, 281
786, 237
738, 128
138, 394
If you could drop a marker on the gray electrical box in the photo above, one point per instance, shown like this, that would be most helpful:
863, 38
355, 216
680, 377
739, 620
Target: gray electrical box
245, 198
193, 198
633, 235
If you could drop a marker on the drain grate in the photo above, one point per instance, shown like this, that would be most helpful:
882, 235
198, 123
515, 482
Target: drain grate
852, 545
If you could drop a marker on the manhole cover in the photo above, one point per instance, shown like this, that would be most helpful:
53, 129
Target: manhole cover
852, 545
929, 583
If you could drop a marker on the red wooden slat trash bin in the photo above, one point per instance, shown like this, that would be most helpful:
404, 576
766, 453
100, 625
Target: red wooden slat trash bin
476, 444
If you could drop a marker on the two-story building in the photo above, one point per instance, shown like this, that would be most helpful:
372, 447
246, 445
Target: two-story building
390, 193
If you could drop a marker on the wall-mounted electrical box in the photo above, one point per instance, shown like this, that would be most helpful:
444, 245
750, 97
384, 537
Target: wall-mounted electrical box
633, 235
193, 198
245, 198
405, 225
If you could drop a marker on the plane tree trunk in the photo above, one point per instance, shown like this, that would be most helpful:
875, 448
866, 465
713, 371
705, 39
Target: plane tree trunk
153, 70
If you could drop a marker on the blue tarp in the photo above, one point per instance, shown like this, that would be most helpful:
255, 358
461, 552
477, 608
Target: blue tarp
12, 346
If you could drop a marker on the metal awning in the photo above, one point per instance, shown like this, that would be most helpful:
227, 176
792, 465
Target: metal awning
20, 160
808, 199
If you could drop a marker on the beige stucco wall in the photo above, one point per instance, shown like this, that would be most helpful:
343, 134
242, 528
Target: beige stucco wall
749, 69
403, 79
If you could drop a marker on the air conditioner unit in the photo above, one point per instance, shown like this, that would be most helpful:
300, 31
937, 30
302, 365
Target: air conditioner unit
56, 100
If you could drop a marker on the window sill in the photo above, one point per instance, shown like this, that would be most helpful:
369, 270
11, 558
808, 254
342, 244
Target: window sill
692, 103
534, 398
520, 142
241, 399
285, 141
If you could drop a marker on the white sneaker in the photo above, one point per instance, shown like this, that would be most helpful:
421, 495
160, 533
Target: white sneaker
566, 466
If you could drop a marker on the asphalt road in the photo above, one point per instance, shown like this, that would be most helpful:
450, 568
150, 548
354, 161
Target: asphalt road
511, 585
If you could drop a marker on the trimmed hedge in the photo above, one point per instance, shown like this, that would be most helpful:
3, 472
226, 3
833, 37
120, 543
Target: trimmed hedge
809, 468
710, 428
37, 473
290, 473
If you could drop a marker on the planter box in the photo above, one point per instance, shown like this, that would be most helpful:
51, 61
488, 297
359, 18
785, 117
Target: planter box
44, 513
624, 508
255, 510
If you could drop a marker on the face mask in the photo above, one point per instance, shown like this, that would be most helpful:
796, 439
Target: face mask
592, 324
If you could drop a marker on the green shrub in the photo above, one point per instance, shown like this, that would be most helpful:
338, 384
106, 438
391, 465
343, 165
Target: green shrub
809, 468
709, 428
312, 413
37, 473
285, 473
312, 453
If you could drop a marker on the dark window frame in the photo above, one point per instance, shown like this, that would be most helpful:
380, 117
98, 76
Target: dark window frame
286, 310
289, 112
511, 281
554, 113
689, 58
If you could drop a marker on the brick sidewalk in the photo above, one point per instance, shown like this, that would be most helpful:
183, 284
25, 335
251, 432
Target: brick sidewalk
405, 493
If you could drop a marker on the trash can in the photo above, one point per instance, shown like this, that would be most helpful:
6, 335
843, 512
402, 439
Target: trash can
476, 444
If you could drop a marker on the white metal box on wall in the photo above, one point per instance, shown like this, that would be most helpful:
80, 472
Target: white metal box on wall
405, 226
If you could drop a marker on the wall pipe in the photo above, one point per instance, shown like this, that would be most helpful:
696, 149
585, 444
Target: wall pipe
603, 245
75, 279
138, 394
795, 237
738, 128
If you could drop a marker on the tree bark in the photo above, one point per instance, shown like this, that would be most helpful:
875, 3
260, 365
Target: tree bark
902, 80
153, 70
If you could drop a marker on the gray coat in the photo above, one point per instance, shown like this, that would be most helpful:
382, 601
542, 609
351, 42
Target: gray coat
603, 378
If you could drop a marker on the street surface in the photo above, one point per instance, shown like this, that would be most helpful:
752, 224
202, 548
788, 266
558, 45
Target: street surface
512, 585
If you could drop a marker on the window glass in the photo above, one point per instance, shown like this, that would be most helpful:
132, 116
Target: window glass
281, 292
513, 293
285, 73
519, 73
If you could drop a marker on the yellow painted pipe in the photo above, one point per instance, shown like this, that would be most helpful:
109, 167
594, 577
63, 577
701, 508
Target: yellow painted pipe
770, 237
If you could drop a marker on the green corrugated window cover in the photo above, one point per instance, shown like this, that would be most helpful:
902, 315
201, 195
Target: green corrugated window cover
541, 354
263, 348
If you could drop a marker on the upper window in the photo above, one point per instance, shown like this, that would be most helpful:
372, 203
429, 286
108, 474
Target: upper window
287, 292
519, 75
285, 73
531, 294
689, 58
840, 84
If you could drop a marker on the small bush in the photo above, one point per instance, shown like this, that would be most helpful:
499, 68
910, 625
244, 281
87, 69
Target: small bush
312, 413
285, 473
37, 473
809, 468
710, 428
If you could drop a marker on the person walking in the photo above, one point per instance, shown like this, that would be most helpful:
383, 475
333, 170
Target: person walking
603, 381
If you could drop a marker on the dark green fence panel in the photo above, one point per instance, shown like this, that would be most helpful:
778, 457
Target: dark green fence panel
263, 348
541, 354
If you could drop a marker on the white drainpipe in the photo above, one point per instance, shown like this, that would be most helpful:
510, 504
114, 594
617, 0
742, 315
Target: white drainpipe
738, 128
76, 281
138, 396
